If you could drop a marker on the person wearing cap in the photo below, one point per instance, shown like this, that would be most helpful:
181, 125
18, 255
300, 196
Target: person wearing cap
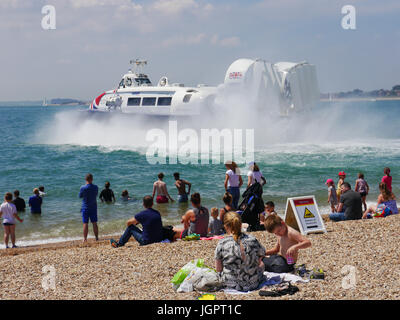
342, 176
332, 196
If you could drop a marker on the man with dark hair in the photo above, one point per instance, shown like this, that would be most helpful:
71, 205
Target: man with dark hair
160, 187
195, 220
181, 184
150, 220
107, 195
350, 206
19, 202
88, 193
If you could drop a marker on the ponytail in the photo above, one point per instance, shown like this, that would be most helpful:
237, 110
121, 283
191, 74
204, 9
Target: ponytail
233, 221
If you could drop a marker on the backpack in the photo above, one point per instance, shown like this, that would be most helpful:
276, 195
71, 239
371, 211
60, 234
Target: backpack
168, 233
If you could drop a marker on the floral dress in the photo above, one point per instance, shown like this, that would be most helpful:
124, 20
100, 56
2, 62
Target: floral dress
240, 263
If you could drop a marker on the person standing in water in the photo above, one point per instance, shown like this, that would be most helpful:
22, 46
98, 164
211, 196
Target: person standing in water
35, 202
181, 184
160, 187
363, 188
88, 193
107, 195
254, 175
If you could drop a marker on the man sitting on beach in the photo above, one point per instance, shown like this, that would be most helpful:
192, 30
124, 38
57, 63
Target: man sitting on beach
88, 193
181, 184
283, 256
350, 205
150, 220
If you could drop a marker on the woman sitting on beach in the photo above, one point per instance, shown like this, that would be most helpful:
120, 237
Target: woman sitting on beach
386, 204
227, 199
238, 257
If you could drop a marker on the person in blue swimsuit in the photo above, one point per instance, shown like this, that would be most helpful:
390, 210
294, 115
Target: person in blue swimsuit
88, 193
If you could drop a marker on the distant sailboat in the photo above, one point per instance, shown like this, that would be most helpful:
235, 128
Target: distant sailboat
44, 104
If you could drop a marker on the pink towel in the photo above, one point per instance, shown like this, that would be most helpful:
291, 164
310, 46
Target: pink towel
212, 238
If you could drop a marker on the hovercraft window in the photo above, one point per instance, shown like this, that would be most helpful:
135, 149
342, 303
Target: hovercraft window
187, 97
149, 101
164, 101
134, 101
142, 81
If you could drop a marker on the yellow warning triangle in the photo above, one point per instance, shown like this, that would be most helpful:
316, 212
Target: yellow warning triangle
308, 214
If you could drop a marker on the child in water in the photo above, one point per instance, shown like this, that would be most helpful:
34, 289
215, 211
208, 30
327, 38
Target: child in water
125, 196
332, 195
363, 188
8, 212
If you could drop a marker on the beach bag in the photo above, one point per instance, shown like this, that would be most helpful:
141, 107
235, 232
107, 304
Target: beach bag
382, 211
252, 205
201, 279
184, 271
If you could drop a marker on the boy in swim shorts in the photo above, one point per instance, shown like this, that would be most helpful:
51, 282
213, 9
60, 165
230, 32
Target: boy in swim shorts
284, 255
160, 187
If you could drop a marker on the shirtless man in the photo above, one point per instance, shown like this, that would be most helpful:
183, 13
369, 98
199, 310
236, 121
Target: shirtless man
160, 187
181, 184
289, 241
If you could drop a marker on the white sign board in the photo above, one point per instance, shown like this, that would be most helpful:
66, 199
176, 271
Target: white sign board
303, 215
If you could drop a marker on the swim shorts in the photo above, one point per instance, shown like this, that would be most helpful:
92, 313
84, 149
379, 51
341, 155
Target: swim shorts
162, 199
92, 216
182, 198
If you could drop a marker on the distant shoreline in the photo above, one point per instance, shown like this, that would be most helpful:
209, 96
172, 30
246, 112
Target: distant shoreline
360, 99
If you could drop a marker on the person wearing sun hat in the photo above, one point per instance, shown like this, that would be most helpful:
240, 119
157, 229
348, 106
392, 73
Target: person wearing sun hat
332, 196
342, 176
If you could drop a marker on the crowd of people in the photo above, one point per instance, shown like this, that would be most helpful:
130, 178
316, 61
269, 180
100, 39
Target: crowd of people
348, 204
239, 256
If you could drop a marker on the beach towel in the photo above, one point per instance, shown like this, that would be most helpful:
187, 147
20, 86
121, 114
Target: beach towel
269, 281
212, 238
287, 277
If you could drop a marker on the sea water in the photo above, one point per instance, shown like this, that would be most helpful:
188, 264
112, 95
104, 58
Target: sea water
56, 146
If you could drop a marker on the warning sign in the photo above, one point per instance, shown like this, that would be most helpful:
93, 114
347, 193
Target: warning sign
308, 214
303, 215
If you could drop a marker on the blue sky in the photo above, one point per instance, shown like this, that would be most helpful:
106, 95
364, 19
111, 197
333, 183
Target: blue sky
191, 42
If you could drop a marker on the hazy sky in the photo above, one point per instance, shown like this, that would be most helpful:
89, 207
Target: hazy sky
191, 42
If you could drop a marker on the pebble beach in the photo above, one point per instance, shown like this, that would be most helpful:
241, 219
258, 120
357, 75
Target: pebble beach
97, 271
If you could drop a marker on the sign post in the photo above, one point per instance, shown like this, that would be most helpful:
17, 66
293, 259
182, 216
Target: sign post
303, 215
